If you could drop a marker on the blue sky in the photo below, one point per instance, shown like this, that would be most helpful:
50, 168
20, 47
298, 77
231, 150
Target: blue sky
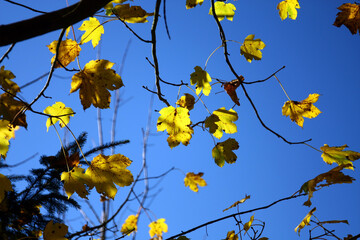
319, 58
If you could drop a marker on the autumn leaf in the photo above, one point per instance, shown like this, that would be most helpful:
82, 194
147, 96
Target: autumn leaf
63, 162
202, 80
110, 6
157, 228
238, 202
104, 171
5, 186
251, 48
177, 123
193, 180
231, 236
187, 101
130, 225
193, 3
131, 14
305, 221
68, 51
74, 181
55, 231
12, 110
6, 82
94, 81
298, 110
288, 8
58, 109
223, 151
349, 16
223, 10
337, 155
230, 88
222, 120
7, 131
93, 30
248, 224
334, 176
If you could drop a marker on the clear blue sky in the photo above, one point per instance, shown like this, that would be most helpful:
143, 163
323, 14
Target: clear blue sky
319, 58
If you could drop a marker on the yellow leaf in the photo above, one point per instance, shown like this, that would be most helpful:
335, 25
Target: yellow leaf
68, 51
222, 120
133, 14
93, 30
110, 5
223, 151
305, 221
349, 16
7, 131
94, 81
223, 10
202, 80
238, 202
63, 113
12, 110
104, 171
6, 83
334, 176
251, 48
74, 181
288, 7
187, 101
193, 3
231, 236
5, 186
177, 123
298, 110
55, 231
193, 180
337, 155
130, 225
157, 228
248, 224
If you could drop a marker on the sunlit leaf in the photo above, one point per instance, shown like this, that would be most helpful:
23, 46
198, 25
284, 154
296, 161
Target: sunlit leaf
75, 181
130, 225
222, 120
202, 80
298, 110
94, 82
7, 131
58, 109
305, 221
55, 231
288, 8
238, 202
248, 224
177, 123
93, 30
193, 180
187, 101
223, 10
131, 14
157, 228
12, 110
6, 82
251, 48
5, 186
338, 155
193, 3
231, 236
223, 151
349, 16
68, 51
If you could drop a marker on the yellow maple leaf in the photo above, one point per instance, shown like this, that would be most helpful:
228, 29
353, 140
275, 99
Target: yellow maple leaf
133, 14
74, 181
222, 120
223, 10
7, 131
231, 236
186, 101
251, 48
104, 171
130, 225
177, 123
334, 176
202, 80
157, 228
337, 155
288, 8
193, 180
94, 81
248, 224
223, 151
6, 82
60, 113
12, 110
93, 30
68, 51
5, 186
349, 16
238, 202
305, 221
193, 3
298, 110
55, 231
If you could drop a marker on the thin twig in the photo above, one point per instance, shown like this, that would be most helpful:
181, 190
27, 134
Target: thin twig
259, 81
133, 32
24, 6
7, 52
165, 20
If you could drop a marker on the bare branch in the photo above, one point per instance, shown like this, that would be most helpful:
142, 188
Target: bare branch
259, 81
24, 6
7, 52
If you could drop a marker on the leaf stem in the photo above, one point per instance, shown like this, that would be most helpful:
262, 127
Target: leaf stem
199, 99
313, 147
282, 87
